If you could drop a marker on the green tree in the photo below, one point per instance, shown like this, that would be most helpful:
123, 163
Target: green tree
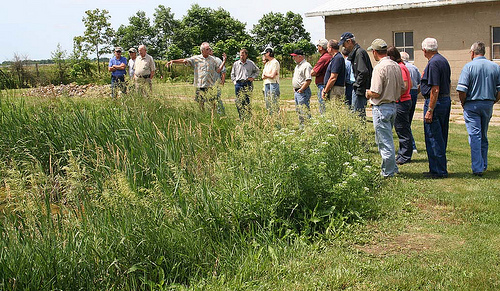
164, 26
288, 48
98, 32
59, 59
80, 64
232, 47
206, 24
277, 30
139, 31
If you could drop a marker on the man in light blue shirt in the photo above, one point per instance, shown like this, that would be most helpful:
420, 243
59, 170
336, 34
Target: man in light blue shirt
117, 66
478, 88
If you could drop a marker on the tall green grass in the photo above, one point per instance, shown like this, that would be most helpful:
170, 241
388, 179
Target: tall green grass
143, 193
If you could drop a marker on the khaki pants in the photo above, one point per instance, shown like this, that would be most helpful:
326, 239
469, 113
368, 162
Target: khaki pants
143, 85
336, 92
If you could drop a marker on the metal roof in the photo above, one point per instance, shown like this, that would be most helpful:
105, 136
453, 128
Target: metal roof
340, 7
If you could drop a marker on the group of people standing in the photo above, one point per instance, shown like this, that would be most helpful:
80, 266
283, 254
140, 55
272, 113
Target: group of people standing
391, 93
141, 70
391, 87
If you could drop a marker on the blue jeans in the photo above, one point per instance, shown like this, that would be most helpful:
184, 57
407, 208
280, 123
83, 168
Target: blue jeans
242, 91
403, 129
118, 82
321, 101
207, 94
477, 115
271, 96
348, 94
436, 135
359, 103
302, 101
414, 99
383, 120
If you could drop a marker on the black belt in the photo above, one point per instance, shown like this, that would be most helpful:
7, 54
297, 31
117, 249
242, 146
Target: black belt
144, 76
243, 81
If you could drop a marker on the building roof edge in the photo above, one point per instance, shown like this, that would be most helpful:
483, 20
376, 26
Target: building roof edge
389, 7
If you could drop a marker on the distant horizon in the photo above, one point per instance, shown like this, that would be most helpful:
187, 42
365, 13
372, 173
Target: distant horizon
38, 33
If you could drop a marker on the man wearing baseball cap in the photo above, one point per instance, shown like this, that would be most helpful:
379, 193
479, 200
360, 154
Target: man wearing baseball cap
132, 52
386, 86
271, 79
301, 80
117, 65
362, 69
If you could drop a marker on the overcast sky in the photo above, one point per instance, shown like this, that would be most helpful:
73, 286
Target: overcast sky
35, 27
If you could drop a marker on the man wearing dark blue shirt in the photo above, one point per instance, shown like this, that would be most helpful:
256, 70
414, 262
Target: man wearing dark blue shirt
117, 66
478, 88
435, 87
335, 73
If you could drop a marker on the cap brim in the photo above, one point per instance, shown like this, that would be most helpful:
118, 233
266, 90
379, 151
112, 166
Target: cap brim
294, 55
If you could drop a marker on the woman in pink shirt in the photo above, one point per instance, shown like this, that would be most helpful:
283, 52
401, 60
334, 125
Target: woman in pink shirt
402, 123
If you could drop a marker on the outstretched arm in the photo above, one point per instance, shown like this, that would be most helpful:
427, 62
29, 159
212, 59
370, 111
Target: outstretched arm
178, 61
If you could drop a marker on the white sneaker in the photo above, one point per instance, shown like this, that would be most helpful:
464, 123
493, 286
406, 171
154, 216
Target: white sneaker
415, 151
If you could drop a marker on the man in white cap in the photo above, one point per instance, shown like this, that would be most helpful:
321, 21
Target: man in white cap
132, 52
386, 86
271, 79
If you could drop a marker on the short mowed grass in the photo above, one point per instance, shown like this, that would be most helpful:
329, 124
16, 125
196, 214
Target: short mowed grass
153, 194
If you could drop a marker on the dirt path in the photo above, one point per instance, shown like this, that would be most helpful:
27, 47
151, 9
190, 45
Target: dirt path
456, 115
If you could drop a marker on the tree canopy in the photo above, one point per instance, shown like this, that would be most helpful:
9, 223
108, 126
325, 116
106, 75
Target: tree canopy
98, 32
277, 30
206, 24
166, 37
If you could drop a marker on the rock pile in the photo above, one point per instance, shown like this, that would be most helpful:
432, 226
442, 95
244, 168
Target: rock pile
71, 90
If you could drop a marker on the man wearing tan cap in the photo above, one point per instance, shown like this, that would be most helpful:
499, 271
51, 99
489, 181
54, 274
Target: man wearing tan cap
300, 83
385, 88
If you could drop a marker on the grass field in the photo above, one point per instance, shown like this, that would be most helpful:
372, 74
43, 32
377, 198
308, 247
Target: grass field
152, 194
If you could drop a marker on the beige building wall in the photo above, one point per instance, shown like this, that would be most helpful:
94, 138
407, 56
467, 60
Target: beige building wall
455, 27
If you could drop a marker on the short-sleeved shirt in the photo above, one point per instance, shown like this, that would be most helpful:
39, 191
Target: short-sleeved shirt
320, 68
144, 65
301, 74
387, 81
114, 61
205, 70
480, 80
336, 66
218, 76
414, 74
131, 68
270, 66
436, 73
406, 77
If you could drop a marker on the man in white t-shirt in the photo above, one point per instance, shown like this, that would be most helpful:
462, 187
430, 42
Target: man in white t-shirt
271, 79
